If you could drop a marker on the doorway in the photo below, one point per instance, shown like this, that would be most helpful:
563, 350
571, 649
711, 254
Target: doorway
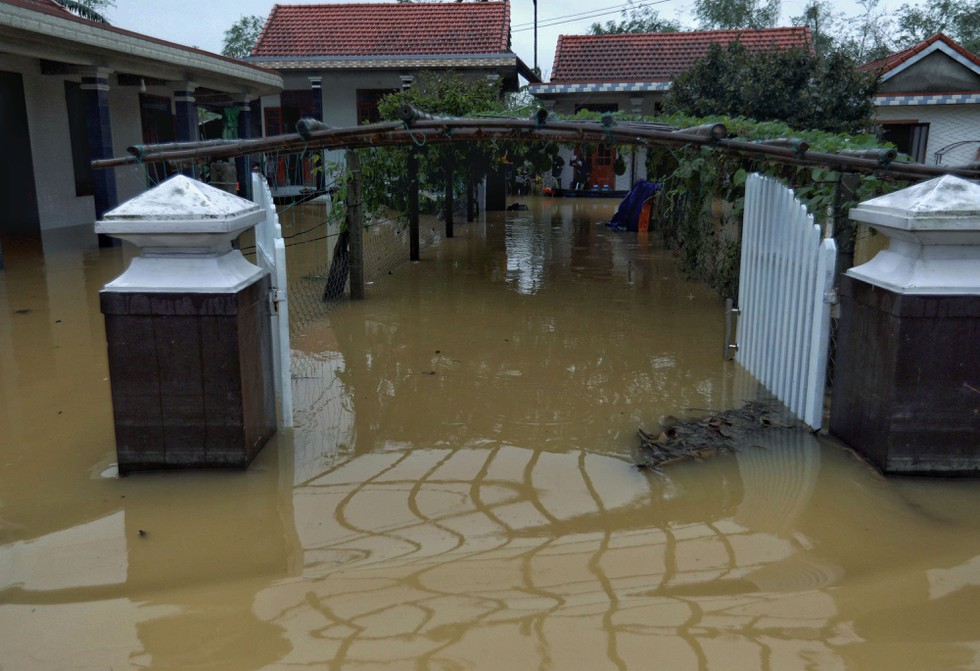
18, 192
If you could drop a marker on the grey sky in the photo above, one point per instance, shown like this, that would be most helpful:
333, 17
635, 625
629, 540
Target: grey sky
201, 23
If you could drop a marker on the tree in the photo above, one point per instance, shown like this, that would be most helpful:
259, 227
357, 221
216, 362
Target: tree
824, 24
241, 37
868, 35
864, 36
959, 20
447, 93
636, 20
92, 10
789, 85
736, 14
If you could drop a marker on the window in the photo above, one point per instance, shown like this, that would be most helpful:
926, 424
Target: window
367, 104
273, 121
296, 104
78, 137
600, 108
909, 137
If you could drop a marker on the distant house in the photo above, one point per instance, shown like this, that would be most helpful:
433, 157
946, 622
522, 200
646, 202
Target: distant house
632, 72
73, 90
929, 101
338, 60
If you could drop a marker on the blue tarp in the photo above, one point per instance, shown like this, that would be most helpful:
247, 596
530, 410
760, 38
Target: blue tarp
628, 213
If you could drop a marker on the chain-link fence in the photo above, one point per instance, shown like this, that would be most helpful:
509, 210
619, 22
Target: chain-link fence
314, 228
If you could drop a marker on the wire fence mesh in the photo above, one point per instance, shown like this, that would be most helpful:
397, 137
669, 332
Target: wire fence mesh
312, 217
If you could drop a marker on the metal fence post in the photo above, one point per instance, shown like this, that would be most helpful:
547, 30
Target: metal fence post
355, 226
449, 192
413, 204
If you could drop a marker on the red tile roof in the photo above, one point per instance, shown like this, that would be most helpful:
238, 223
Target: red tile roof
386, 29
650, 57
46, 6
893, 60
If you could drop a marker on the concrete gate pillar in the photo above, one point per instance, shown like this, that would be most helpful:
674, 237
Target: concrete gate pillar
188, 332
906, 391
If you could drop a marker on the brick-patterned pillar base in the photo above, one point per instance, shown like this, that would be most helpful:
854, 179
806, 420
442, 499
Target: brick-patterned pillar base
189, 381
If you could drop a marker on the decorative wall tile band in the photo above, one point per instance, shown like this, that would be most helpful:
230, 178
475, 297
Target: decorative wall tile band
934, 99
600, 87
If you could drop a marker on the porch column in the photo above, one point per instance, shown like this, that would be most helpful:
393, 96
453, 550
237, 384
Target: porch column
185, 119
185, 113
243, 168
95, 89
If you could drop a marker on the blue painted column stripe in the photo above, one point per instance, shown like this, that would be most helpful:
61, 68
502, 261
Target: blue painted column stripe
95, 92
185, 121
185, 113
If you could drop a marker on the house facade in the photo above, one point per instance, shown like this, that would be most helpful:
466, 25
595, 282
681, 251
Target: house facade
338, 60
73, 90
632, 73
929, 101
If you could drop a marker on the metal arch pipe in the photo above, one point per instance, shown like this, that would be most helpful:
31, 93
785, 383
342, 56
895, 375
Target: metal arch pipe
439, 130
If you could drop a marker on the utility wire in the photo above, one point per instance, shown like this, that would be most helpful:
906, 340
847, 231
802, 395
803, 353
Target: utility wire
583, 16
589, 12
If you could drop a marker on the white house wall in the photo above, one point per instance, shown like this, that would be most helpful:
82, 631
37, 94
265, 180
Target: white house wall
947, 124
636, 168
127, 130
339, 95
47, 122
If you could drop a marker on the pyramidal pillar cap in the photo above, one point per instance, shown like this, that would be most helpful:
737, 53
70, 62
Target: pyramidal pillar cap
933, 231
184, 229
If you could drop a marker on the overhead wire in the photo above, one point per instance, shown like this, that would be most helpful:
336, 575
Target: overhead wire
583, 16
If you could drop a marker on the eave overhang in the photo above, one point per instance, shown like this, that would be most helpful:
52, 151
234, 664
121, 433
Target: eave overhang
35, 34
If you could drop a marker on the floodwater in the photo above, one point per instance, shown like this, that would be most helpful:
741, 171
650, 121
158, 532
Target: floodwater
458, 491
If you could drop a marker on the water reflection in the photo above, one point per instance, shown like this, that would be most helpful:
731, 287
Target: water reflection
548, 559
458, 491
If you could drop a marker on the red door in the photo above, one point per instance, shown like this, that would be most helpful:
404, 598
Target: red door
603, 172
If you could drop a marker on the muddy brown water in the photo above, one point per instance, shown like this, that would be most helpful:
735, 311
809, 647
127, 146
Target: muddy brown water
458, 491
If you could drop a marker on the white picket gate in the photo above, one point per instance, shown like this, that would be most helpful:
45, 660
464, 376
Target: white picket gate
784, 298
270, 254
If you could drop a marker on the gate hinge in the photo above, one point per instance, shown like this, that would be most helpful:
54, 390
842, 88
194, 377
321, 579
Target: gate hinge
275, 297
731, 348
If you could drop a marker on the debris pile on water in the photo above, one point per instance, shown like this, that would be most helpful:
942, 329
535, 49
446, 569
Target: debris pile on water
706, 437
